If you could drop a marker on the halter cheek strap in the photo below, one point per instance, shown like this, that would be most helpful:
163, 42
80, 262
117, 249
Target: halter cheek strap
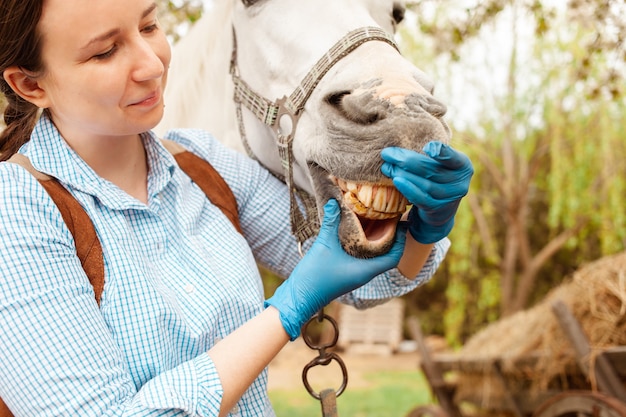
282, 117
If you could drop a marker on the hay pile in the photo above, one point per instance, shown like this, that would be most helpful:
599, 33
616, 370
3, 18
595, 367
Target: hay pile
595, 294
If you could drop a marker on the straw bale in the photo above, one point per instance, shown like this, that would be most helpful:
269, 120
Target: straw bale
596, 295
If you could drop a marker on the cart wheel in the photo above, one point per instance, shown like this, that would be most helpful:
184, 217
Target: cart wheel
428, 411
581, 404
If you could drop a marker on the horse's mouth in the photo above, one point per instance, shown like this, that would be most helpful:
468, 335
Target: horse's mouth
370, 211
377, 208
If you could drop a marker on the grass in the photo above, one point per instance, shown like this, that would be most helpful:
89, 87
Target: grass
391, 394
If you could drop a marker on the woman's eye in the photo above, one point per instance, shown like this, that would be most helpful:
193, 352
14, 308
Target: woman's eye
151, 28
106, 54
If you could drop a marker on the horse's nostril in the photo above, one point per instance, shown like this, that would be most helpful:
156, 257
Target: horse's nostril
359, 108
335, 98
429, 104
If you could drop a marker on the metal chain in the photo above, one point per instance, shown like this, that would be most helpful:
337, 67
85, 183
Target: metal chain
327, 397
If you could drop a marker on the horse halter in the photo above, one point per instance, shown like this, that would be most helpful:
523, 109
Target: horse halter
282, 116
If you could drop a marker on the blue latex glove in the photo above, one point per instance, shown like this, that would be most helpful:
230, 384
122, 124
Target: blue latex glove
327, 272
434, 183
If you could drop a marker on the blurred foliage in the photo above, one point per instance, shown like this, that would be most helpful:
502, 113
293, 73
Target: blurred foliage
603, 21
176, 16
550, 159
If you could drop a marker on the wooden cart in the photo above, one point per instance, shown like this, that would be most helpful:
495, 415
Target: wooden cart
608, 375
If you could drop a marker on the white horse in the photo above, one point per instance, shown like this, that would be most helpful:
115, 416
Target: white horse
346, 94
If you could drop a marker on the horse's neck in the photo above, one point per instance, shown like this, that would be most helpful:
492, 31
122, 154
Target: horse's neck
199, 92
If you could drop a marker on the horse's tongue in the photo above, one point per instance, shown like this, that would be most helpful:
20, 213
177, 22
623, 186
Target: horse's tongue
376, 230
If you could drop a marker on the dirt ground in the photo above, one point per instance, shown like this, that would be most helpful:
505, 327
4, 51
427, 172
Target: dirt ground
285, 371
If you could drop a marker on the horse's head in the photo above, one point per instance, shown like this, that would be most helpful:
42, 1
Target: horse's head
370, 99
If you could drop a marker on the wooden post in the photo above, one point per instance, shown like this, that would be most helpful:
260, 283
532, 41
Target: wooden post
438, 385
608, 380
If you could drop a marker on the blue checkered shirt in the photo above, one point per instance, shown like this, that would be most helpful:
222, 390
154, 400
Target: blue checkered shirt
178, 279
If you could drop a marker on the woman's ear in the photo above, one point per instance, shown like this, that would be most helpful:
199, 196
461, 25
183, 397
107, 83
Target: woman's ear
26, 86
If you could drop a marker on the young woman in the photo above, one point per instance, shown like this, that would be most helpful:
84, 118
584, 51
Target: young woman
182, 327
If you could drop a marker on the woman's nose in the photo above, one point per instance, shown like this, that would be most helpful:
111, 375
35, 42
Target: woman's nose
148, 64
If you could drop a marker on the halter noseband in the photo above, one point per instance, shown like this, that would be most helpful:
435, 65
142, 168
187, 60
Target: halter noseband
288, 110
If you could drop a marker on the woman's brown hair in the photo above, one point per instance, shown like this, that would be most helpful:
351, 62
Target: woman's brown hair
20, 46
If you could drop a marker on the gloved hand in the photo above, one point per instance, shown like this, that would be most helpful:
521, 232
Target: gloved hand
327, 272
434, 183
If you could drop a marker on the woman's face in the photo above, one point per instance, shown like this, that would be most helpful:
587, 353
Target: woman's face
106, 66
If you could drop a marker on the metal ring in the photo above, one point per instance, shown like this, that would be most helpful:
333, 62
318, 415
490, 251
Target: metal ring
315, 362
320, 316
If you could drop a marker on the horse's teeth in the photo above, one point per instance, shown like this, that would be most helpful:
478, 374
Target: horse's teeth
390, 201
380, 199
373, 201
365, 195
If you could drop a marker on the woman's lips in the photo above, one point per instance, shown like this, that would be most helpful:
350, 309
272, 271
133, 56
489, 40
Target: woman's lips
148, 101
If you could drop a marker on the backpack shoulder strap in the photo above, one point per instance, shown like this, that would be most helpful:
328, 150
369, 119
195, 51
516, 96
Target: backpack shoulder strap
4, 410
208, 179
88, 248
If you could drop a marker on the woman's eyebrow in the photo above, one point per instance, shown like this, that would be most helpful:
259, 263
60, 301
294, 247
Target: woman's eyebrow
114, 32
101, 38
149, 10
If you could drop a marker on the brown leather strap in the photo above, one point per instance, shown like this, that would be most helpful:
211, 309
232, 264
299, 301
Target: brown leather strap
212, 183
88, 248
208, 179
4, 410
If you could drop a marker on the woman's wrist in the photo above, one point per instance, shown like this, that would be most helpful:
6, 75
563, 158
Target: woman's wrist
414, 257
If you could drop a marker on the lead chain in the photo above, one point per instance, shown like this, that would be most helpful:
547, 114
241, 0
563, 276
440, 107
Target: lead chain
327, 397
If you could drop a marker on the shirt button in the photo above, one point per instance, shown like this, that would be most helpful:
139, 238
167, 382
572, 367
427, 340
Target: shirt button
235, 409
189, 288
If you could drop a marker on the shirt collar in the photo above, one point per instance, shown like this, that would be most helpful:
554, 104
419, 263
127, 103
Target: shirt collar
50, 154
